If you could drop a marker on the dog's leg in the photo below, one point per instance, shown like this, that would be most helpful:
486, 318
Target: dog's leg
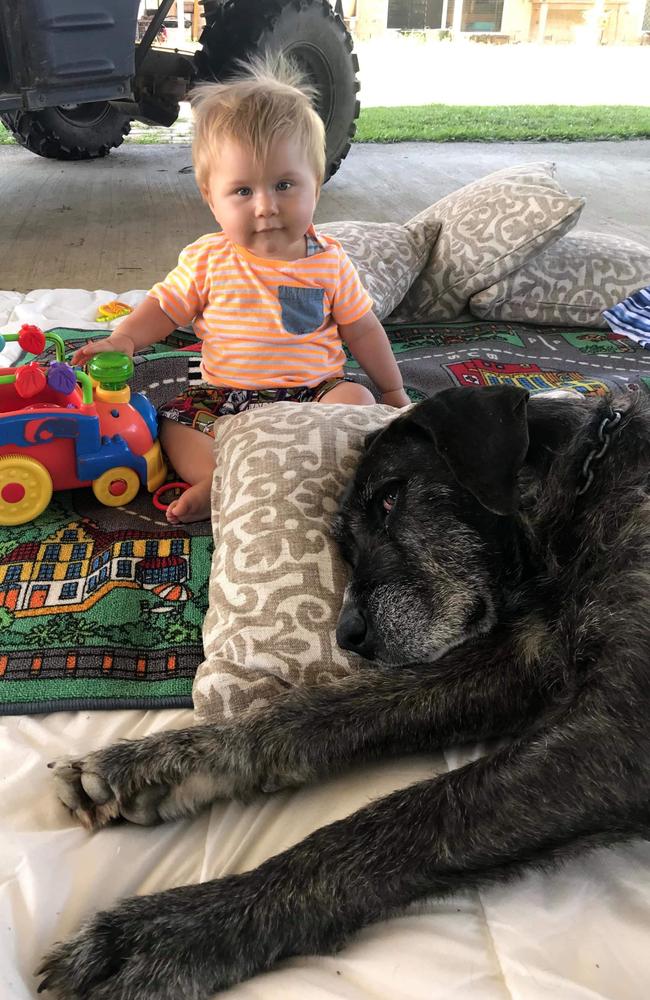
533, 801
302, 736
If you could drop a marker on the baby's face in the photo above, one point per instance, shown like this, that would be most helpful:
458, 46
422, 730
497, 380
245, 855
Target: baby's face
265, 207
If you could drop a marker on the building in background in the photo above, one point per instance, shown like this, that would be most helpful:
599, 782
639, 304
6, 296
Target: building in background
597, 22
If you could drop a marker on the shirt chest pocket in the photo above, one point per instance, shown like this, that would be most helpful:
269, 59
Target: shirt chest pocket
302, 308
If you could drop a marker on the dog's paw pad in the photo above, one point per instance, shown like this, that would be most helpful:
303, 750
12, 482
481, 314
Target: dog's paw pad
96, 788
85, 793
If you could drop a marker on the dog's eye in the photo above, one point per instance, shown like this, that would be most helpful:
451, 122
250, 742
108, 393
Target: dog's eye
384, 500
389, 500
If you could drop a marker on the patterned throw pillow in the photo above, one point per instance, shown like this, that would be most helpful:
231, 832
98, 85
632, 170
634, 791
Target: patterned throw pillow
387, 256
570, 283
277, 579
489, 229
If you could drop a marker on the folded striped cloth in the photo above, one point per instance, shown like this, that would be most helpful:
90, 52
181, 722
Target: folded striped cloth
632, 317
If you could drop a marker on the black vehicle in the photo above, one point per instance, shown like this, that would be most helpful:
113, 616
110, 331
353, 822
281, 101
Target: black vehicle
73, 76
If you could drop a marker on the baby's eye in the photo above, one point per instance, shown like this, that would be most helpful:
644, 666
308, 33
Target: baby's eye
243, 191
283, 185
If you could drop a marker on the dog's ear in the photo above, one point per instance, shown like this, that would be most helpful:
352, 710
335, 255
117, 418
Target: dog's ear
482, 434
370, 437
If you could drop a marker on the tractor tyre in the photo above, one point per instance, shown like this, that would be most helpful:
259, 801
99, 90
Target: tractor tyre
75, 132
307, 31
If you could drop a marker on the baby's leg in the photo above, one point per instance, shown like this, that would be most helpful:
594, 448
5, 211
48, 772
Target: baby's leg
349, 392
192, 455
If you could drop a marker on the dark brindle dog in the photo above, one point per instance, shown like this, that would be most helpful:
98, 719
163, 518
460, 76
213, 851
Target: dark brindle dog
499, 553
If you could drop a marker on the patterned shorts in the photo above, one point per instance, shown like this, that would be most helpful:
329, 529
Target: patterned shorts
201, 404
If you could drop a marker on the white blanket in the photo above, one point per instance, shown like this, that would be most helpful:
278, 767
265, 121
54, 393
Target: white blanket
578, 933
53, 307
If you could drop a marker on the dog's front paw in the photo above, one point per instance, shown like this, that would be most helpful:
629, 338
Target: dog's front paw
96, 793
78, 968
142, 781
116, 956
86, 792
183, 944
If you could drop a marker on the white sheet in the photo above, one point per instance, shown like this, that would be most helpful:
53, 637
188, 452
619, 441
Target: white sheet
579, 933
52, 307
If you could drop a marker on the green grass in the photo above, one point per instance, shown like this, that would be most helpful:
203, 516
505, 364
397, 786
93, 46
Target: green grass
514, 123
471, 123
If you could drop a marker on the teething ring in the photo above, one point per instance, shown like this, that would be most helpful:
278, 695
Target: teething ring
167, 488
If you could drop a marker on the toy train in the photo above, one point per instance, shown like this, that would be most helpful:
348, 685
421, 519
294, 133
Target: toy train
61, 428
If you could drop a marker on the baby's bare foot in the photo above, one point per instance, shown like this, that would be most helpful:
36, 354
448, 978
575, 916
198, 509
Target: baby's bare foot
192, 505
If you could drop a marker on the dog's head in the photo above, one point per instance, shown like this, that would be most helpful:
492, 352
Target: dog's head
426, 523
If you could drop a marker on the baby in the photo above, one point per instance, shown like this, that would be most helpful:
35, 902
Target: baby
271, 301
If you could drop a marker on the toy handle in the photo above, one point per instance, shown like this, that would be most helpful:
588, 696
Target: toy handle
30, 340
166, 488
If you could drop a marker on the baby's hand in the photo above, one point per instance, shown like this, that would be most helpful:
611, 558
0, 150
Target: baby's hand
116, 342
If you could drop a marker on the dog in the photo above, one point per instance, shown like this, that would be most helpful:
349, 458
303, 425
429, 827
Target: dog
499, 577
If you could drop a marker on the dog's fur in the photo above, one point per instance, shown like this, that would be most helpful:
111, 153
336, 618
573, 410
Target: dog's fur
499, 598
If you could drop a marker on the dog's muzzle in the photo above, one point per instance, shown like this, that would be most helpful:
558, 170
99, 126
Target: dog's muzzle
354, 632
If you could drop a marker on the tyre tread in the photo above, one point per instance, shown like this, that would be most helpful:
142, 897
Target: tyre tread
30, 132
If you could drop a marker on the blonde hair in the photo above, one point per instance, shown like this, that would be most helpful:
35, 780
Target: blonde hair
268, 99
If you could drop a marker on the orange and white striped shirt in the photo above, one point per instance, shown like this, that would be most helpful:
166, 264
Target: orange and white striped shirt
264, 323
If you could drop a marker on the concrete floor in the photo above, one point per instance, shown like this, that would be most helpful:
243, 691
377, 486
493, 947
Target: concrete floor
119, 223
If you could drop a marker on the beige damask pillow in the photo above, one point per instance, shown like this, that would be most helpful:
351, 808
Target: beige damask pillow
277, 579
387, 256
571, 282
489, 229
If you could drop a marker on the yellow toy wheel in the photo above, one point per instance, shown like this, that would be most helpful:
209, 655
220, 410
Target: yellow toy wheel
25, 489
116, 487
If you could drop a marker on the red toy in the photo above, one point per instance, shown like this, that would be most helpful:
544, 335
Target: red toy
158, 499
61, 428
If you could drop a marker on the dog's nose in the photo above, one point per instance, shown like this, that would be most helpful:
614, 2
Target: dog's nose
352, 632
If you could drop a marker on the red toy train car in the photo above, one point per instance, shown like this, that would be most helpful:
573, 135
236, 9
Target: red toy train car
61, 428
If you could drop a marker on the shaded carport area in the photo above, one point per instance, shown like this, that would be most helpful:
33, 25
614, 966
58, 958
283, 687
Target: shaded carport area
119, 223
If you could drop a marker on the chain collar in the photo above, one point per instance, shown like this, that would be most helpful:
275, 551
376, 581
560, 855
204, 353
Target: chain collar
608, 424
